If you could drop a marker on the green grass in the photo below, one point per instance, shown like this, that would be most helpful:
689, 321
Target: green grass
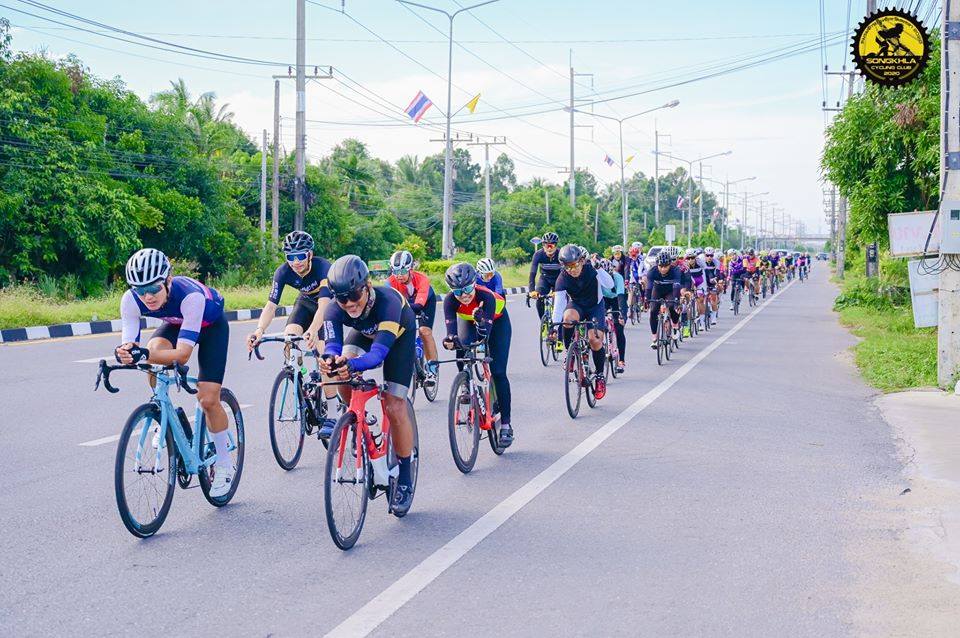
24, 306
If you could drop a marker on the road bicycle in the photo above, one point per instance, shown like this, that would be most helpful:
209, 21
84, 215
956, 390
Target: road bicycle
636, 308
610, 342
550, 346
737, 295
420, 373
158, 448
665, 341
473, 411
297, 405
753, 299
578, 371
803, 273
350, 478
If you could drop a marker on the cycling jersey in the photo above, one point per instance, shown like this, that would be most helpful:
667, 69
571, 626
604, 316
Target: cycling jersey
583, 291
618, 288
495, 283
621, 264
774, 260
386, 319
750, 264
549, 268
698, 273
190, 305
636, 269
312, 284
417, 290
713, 270
662, 285
491, 306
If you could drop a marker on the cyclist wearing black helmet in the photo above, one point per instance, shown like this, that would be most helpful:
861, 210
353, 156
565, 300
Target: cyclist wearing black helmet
384, 333
579, 297
547, 259
663, 284
306, 272
472, 311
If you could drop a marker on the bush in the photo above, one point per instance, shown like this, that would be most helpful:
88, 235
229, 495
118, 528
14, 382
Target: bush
514, 255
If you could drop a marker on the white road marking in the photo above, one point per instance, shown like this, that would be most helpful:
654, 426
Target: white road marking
93, 360
116, 437
370, 616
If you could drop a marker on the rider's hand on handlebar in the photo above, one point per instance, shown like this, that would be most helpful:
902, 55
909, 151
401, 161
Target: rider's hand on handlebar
310, 338
534, 294
335, 367
451, 343
129, 353
254, 339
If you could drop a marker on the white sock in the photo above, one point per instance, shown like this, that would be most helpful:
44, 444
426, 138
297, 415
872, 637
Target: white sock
222, 442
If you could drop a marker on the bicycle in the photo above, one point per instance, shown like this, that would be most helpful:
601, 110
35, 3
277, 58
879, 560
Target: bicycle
610, 340
753, 299
347, 486
473, 407
420, 373
664, 331
737, 295
636, 308
297, 405
147, 468
578, 372
550, 347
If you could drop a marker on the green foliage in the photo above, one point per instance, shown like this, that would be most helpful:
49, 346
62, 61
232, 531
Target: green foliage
513, 255
415, 245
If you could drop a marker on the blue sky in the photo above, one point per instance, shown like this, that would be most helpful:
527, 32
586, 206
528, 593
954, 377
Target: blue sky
769, 115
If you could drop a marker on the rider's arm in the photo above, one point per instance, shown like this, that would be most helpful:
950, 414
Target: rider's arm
487, 312
316, 325
605, 280
129, 318
559, 300
389, 316
533, 269
421, 288
450, 314
333, 337
497, 284
273, 299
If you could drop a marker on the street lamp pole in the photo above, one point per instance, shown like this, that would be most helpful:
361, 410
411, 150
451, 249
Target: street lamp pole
690, 163
447, 243
726, 205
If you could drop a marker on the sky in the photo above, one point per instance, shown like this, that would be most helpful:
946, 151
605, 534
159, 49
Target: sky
517, 55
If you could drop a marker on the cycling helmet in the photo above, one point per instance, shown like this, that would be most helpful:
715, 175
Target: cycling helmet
460, 275
690, 252
673, 251
751, 252
401, 260
348, 273
698, 251
584, 253
638, 245
617, 249
570, 254
634, 251
708, 252
664, 258
147, 266
732, 252
605, 265
486, 266
550, 238
297, 241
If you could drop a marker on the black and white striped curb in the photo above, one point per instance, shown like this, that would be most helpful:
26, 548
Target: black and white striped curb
103, 327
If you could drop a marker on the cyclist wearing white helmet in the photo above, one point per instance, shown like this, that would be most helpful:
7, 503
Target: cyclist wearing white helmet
620, 262
192, 316
418, 290
488, 277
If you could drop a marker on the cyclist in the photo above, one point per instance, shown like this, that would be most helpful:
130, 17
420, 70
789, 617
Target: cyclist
416, 287
306, 272
735, 272
663, 284
788, 264
715, 277
620, 262
752, 267
634, 284
578, 297
470, 312
697, 271
615, 300
384, 328
802, 264
488, 277
547, 259
192, 316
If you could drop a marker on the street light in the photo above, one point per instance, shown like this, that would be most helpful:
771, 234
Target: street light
726, 207
747, 196
690, 163
447, 244
620, 121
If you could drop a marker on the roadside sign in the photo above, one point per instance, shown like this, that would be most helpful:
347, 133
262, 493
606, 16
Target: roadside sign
923, 292
670, 232
379, 265
909, 232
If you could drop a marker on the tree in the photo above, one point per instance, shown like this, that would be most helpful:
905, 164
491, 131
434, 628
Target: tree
502, 174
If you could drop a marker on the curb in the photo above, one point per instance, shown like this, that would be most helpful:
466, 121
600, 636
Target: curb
77, 329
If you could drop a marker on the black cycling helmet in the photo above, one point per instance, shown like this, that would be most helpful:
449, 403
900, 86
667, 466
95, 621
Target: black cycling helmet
664, 258
570, 254
460, 275
550, 237
347, 274
297, 241
751, 252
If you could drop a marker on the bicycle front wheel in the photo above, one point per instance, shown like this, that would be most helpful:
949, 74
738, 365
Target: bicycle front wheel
237, 446
463, 423
344, 484
287, 424
143, 474
571, 381
545, 345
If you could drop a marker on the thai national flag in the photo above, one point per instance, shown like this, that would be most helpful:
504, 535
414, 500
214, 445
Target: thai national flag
418, 106
608, 160
679, 201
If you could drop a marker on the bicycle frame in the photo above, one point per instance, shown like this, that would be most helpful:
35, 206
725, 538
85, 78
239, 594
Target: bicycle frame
358, 405
189, 450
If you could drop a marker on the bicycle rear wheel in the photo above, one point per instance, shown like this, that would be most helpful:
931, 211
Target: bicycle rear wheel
572, 389
144, 488
237, 446
345, 486
463, 423
287, 420
589, 376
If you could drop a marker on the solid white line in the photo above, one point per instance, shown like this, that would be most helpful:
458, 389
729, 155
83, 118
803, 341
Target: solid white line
116, 437
369, 617
93, 360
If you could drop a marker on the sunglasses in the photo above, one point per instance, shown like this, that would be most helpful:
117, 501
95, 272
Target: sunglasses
149, 289
550, 245
466, 290
352, 295
572, 266
400, 271
297, 256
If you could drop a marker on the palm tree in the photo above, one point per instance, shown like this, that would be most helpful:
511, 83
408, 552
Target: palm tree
358, 177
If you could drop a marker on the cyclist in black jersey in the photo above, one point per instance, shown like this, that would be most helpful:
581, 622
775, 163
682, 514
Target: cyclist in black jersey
383, 333
547, 260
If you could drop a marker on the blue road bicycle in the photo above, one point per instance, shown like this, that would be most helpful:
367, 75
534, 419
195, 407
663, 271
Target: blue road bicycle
420, 373
159, 448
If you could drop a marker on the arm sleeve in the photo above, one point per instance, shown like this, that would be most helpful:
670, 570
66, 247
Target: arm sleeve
277, 289
533, 269
379, 350
488, 311
559, 305
191, 308
622, 303
129, 318
333, 331
621, 286
650, 283
450, 314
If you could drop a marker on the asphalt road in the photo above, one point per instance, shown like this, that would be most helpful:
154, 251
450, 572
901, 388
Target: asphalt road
710, 496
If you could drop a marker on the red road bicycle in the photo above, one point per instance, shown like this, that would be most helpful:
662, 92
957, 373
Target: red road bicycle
473, 407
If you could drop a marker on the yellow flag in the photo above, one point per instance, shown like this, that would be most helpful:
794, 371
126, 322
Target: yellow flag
696, 200
627, 161
472, 104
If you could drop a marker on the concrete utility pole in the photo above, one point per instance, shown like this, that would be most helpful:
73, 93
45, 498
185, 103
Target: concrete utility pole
301, 115
948, 320
276, 163
546, 197
263, 188
726, 206
700, 210
486, 190
573, 179
446, 244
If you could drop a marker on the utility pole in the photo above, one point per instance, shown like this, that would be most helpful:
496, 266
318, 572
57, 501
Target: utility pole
546, 197
596, 221
486, 180
726, 211
573, 127
301, 115
263, 188
446, 242
656, 178
948, 320
700, 212
276, 163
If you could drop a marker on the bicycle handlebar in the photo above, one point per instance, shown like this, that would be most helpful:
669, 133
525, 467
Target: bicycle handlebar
180, 374
293, 340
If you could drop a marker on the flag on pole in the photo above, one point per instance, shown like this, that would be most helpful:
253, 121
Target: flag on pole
472, 104
696, 200
716, 213
627, 161
418, 106
608, 160
679, 201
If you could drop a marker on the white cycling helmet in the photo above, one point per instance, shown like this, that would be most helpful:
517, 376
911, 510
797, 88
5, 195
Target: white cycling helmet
708, 252
147, 266
690, 252
486, 266
401, 260
636, 244
617, 249
732, 252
